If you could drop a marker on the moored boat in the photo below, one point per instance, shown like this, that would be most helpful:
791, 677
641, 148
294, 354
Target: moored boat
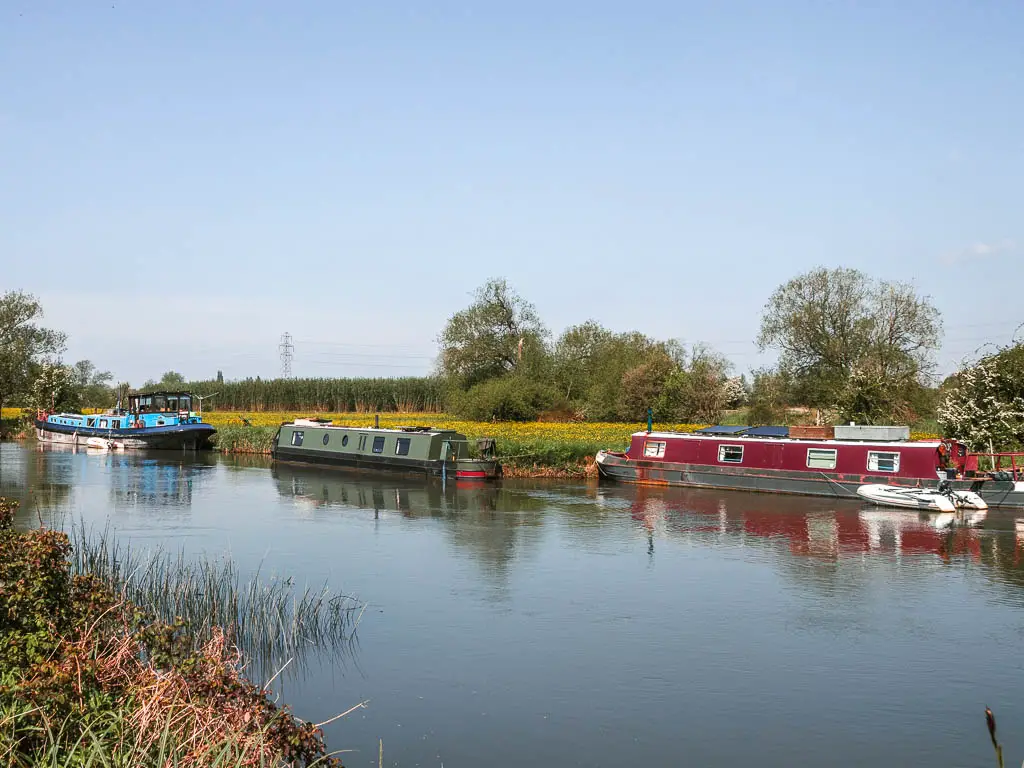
161, 420
941, 499
833, 463
425, 451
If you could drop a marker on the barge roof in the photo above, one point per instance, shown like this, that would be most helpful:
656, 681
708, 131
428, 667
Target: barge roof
758, 438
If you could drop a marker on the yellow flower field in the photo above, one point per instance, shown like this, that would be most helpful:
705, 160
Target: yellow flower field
589, 432
605, 433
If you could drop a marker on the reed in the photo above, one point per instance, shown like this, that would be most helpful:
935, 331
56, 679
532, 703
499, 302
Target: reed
271, 621
423, 394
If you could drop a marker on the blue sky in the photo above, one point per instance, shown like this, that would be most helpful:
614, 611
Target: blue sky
183, 182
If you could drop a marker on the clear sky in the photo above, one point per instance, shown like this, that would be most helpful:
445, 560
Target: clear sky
182, 182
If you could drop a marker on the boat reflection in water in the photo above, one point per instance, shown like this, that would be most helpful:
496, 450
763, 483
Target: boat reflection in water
148, 479
316, 488
814, 527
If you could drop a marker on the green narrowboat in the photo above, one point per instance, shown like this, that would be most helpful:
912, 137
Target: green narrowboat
412, 450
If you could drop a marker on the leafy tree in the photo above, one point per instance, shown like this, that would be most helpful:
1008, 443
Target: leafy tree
590, 363
984, 403
93, 385
170, 380
55, 388
643, 387
844, 338
699, 391
499, 333
770, 396
24, 346
578, 356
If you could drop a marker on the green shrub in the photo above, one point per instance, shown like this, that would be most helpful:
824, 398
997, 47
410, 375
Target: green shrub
509, 398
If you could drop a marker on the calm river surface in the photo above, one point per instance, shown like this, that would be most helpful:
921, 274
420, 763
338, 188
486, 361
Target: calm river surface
574, 624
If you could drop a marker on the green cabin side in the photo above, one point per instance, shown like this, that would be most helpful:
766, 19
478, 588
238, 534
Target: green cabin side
383, 443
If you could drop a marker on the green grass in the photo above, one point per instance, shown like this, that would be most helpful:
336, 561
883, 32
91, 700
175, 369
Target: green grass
270, 620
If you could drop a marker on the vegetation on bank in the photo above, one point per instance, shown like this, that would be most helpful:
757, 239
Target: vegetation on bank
91, 678
525, 448
419, 394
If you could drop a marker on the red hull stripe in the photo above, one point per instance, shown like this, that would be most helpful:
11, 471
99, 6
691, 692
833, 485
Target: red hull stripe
470, 473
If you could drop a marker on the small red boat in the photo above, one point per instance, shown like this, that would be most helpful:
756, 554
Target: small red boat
771, 459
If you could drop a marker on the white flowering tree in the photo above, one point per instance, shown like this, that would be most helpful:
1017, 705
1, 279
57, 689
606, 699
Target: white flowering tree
54, 387
984, 406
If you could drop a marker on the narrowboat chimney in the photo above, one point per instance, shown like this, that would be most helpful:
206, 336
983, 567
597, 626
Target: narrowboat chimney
650, 419
376, 421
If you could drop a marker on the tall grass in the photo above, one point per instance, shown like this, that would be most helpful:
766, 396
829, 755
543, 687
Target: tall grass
408, 394
118, 742
271, 621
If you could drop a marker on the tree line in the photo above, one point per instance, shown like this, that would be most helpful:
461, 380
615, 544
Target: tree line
849, 347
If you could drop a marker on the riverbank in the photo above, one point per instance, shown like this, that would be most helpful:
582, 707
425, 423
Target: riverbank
526, 449
536, 449
92, 678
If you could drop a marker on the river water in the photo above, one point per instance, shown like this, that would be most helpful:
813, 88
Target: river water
555, 623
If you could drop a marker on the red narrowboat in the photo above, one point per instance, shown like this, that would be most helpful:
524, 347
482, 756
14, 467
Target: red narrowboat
768, 459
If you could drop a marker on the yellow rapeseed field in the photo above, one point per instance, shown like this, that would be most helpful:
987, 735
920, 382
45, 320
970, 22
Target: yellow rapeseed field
612, 434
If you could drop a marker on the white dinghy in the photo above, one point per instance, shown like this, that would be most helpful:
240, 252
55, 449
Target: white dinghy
103, 444
941, 499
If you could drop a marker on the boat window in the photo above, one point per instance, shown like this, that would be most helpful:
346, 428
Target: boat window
378, 444
654, 449
159, 403
327, 437
90, 422
362, 442
730, 454
297, 436
883, 461
821, 458
344, 440
402, 446
103, 422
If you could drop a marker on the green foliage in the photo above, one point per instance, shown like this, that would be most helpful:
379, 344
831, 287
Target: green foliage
500, 332
405, 395
833, 326
54, 388
171, 380
612, 377
86, 675
770, 396
508, 398
643, 387
94, 386
23, 344
244, 439
984, 403
697, 393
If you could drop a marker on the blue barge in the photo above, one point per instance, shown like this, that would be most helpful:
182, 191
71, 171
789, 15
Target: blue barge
162, 420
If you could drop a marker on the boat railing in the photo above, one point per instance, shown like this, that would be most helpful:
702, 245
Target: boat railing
1012, 462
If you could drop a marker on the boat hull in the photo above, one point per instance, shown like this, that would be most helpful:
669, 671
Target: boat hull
463, 470
172, 437
617, 467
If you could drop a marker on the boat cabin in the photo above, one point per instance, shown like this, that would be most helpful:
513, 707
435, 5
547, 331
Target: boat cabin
875, 451
160, 402
413, 443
